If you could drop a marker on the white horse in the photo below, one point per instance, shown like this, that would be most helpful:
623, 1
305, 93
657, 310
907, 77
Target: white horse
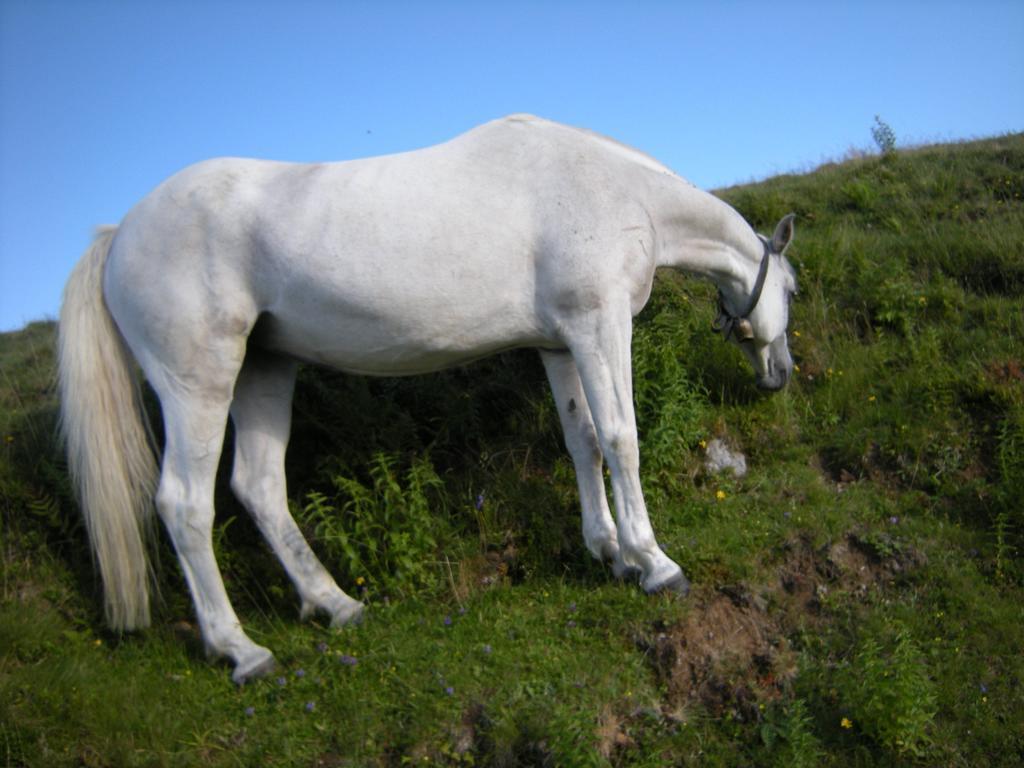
519, 233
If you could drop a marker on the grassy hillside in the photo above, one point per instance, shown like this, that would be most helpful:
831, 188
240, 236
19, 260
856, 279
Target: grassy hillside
859, 594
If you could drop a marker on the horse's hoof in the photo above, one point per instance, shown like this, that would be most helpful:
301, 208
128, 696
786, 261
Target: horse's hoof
677, 584
348, 615
260, 665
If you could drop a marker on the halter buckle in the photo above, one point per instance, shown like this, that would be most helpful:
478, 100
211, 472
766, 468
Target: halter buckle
739, 325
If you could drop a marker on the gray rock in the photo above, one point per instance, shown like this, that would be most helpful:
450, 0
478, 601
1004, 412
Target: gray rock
720, 458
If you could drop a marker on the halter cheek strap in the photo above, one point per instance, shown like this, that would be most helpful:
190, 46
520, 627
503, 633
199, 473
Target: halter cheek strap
726, 322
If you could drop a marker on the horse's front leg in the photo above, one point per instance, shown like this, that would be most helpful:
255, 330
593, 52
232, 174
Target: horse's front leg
582, 442
602, 355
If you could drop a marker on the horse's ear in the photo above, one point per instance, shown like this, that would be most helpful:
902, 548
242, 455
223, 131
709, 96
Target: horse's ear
783, 233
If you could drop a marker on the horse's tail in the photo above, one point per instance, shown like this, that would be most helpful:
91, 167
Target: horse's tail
108, 439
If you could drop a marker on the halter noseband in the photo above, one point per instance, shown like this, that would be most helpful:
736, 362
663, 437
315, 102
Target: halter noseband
727, 321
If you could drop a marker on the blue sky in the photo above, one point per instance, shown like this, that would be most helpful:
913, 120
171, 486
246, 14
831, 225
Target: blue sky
100, 99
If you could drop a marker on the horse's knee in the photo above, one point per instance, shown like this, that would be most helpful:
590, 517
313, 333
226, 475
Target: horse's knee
622, 449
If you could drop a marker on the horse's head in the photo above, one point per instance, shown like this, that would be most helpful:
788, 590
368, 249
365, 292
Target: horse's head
759, 325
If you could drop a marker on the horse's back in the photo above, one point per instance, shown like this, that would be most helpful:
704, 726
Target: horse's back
391, 264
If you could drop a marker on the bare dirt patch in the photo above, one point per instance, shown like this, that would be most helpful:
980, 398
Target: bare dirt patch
732, 652
728, 654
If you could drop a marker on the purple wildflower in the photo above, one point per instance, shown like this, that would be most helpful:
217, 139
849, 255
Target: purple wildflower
450, 690
300, 673
447, 621
348, 661
281, 681
250, 711
322, 647
894, 519
310, 706
480, 501
487, 648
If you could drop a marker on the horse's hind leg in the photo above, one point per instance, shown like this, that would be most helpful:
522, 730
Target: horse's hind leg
195, 412
261, 413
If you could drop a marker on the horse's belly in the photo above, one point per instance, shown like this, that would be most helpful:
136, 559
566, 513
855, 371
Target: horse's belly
395, 340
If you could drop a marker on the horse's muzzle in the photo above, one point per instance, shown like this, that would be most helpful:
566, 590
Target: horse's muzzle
772, 384
777, 377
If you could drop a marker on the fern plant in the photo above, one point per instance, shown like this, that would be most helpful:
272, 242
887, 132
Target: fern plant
671, 408
384, 531
890, 694
789, 736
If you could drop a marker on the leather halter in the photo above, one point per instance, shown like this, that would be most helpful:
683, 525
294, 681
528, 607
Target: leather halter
726, 321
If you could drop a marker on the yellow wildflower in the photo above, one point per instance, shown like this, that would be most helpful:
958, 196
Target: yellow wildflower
846, 723
720, 495
360, 581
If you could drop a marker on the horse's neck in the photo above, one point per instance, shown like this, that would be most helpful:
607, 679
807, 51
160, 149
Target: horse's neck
704, 236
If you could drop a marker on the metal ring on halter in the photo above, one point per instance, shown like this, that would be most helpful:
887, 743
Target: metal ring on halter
727, 322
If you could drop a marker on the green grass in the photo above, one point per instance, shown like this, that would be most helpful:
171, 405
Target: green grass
864, 579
